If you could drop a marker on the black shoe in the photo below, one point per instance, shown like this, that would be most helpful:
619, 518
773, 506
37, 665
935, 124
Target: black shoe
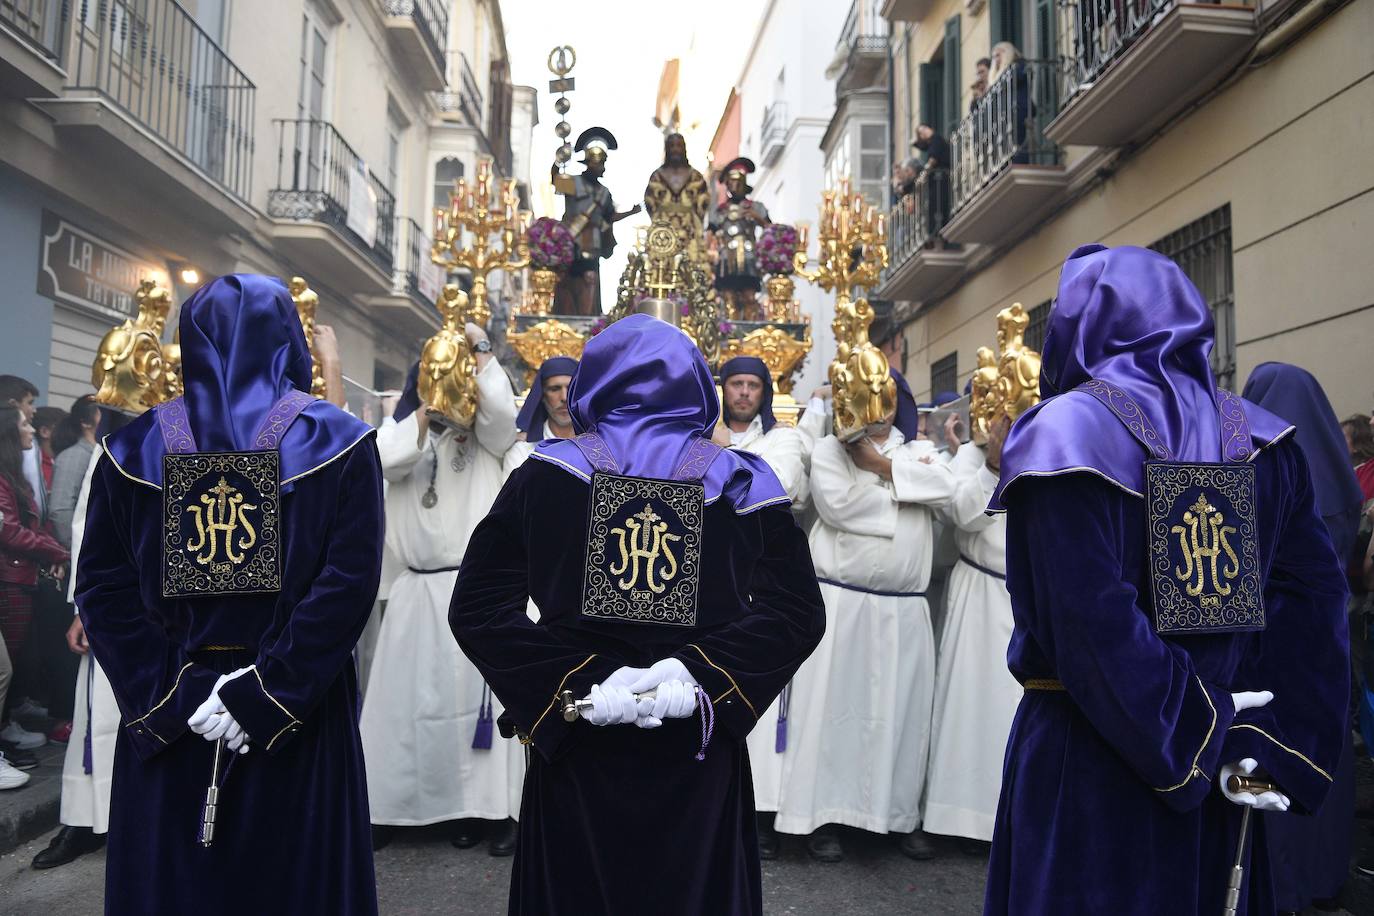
824, 845
69, 844
1365, 866
918, 845
21, 760
466, 833
502, 842
770, 844
975, 848
382, 834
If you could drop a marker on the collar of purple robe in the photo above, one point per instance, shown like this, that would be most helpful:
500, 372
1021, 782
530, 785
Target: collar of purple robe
242, 349
1129, 317
644, 388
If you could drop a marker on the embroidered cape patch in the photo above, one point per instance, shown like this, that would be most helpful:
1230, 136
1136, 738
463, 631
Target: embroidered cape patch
221, 524
643, 560
1204, 548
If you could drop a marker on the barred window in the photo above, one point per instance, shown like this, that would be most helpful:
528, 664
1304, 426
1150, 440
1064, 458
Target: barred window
1037, 323
1203, 249
944, 374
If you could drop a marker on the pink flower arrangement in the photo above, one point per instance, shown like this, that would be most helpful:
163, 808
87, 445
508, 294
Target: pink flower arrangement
598, 326
776, 249
551, 244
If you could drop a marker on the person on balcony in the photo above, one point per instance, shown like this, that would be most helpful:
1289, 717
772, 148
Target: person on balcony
1009, 66
932, 184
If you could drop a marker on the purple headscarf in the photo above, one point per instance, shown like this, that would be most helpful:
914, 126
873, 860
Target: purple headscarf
1131, 317
752, 365
409, 401
908, 418
533, 414
645, 389
242, 348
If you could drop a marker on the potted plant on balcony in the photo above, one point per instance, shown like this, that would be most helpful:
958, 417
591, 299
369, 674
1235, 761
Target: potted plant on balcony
551, 253
776, 251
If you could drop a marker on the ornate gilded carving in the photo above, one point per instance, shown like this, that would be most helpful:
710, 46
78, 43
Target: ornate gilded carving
1007, 382
448, 369
129, 371
544, 340
863, 390
172, 386
780, 351
307, 303
463, 234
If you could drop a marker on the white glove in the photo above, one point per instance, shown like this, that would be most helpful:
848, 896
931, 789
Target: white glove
212, 721
1265, 801
675, 696
623, 677
1251, 699
611, 706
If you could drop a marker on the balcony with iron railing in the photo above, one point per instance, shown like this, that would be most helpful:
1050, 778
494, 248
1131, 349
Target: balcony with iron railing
921, 264
418, 30
408, 307
773, 132
861, 53
330, 213
1130, 65
1005, 171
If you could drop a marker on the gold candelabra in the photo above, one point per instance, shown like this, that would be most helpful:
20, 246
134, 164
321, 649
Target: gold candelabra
852, 255
463, 234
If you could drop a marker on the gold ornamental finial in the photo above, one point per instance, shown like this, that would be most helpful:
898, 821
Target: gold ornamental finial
448, 369
307, 304
129, 369
463, 233
1006, 383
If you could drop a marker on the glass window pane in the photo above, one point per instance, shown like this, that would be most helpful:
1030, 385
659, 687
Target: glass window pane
873, 136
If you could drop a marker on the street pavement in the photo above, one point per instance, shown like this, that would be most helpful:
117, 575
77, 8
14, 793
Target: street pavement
420, 873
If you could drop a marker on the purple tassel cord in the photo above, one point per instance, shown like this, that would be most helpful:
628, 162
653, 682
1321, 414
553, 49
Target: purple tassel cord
784, 701
87, 754
708, 720
481, 736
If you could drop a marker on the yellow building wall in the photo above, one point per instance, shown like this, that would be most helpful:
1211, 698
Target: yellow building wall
1287, 146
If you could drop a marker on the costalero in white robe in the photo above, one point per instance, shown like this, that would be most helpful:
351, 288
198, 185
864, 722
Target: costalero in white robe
975, 695
86, 796
423, 697
859, 723
785, 449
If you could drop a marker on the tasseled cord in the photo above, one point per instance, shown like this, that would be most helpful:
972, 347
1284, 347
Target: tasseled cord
708, 720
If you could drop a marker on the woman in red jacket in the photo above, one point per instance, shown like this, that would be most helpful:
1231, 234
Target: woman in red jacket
25, 546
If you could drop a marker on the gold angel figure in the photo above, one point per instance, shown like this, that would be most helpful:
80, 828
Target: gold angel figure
307, 304
448, 369
1019, 366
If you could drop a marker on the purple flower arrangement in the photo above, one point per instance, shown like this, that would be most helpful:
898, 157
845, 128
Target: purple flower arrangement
551, 244
726, 328
776, 249
598, 326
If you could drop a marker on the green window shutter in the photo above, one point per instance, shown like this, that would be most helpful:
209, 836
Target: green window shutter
933, 95
952, 80
1004, 21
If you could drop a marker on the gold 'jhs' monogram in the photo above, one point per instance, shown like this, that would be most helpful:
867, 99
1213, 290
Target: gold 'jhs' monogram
224, 510
648, 541
1203, 539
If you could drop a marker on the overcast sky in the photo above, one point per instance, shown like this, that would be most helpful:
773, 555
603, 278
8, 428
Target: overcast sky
621, 48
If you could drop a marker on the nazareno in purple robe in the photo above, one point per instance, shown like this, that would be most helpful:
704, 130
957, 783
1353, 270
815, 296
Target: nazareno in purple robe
618, 819
292, 833
1108, 802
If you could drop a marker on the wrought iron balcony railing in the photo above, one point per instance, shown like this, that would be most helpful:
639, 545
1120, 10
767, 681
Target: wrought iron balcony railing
320, 178
430, 17
405, 279
1095, 33
149, 58
918, 217
39, 22
865, 30
1006, 127
470, 94
773, 132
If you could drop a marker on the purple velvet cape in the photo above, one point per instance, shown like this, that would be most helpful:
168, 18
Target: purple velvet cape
1108, 801
593, 795
293, 834
645, 389
532, 414
1311, 855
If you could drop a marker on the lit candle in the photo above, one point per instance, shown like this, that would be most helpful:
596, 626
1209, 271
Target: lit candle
882, 227
803, 233
439, 219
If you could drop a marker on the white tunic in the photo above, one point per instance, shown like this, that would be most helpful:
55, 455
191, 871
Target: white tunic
975, 695
859, 724
86, 796
786, 450
423, 696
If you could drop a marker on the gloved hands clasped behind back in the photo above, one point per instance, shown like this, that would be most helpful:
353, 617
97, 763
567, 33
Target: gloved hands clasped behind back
675, 695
